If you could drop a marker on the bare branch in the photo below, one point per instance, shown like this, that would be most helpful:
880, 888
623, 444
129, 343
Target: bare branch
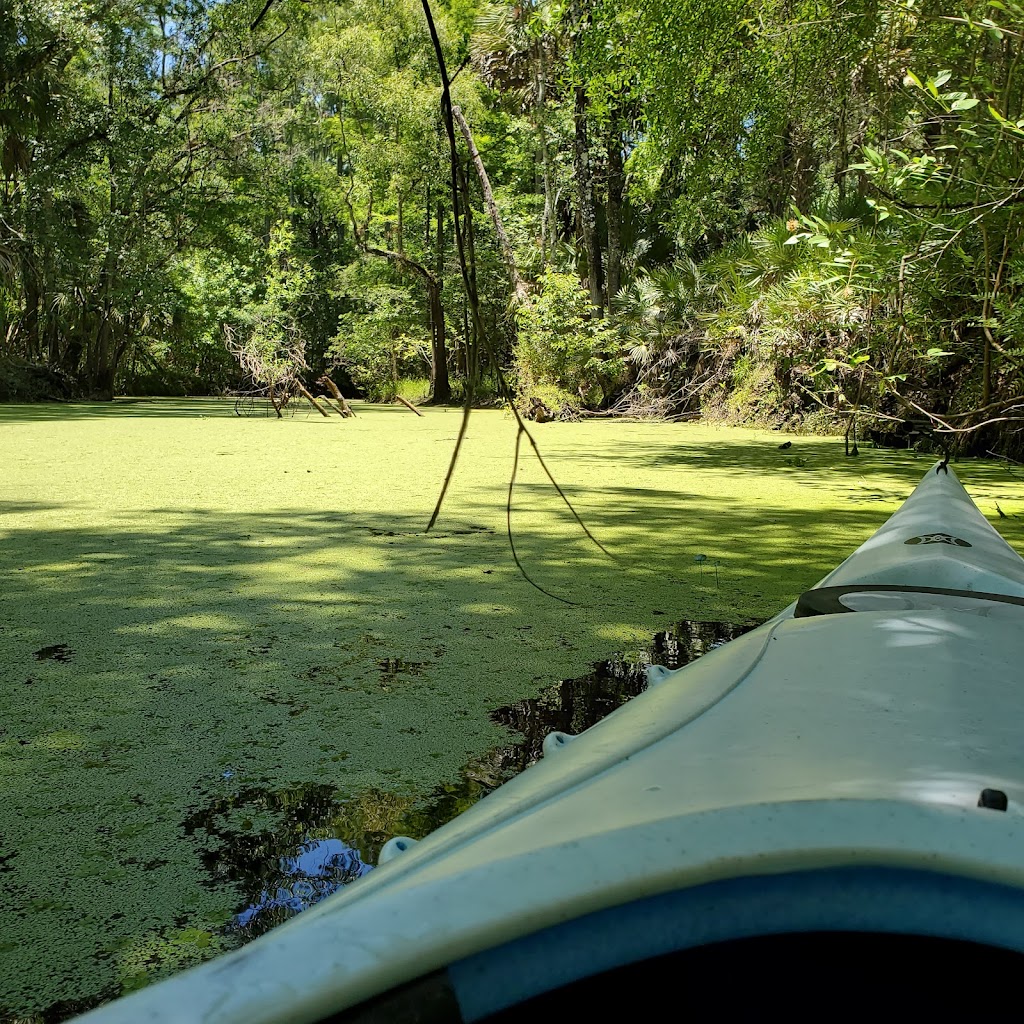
504, 390
259, 17
508, 522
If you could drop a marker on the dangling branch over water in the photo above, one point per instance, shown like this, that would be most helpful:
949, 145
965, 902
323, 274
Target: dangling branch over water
449, 112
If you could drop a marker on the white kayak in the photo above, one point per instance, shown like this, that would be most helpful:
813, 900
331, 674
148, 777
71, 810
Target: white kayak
823, 800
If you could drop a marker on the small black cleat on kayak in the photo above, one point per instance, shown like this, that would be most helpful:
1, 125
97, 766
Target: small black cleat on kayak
993, 799
785, 445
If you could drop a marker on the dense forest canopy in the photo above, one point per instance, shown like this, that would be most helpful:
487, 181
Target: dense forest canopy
789, 211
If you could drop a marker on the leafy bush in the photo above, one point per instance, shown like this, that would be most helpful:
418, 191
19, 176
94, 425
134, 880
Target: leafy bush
564, 354
414, 389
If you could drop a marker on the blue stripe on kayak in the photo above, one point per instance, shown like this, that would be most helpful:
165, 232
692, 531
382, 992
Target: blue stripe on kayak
894, 901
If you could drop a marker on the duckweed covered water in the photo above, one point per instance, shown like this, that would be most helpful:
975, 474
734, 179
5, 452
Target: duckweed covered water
319, 841
245, 605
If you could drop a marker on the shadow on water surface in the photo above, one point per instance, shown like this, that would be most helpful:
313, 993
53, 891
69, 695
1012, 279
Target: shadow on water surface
287, 849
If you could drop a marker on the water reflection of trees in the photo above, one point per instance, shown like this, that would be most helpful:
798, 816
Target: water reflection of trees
576, 704
318, 868
288, 848
688, 640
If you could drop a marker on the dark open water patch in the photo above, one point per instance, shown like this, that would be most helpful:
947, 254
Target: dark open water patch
281, 848
55, 652
576, 704
287, 849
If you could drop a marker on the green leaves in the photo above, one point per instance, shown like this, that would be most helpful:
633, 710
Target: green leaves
818, 231
563, 353
954, 101
1013, 128
831, 364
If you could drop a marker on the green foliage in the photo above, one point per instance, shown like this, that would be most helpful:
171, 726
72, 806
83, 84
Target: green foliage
270, 343
382, 338
657, 318
563, 348
117, 161
293, 560
175, 183
214, 298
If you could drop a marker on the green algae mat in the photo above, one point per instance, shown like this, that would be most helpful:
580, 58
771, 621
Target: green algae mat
199, 607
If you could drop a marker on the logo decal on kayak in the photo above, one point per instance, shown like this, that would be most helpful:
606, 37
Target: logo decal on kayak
938, 538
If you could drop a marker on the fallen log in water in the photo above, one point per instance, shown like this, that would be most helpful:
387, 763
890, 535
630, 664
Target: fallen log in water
408, 404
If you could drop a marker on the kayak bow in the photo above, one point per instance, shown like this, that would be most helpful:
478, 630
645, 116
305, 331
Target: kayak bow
842, 786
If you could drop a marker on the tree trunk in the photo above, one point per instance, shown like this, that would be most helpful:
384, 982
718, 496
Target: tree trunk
585, 204
274, 403
798, 164
616, 187
346, 409
52, 341
986, 367
468, 276
469, 242
439, 247
548, 219
440, 385
104, 385
31, 317
309, 398
426, 220
519, 285
100, 367
400, 246
408, 404
100, 372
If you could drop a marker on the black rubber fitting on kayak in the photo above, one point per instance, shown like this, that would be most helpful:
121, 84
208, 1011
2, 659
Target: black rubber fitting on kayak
828, 600
993, 799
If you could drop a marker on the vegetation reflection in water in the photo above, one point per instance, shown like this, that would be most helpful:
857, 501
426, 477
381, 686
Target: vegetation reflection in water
287, 849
